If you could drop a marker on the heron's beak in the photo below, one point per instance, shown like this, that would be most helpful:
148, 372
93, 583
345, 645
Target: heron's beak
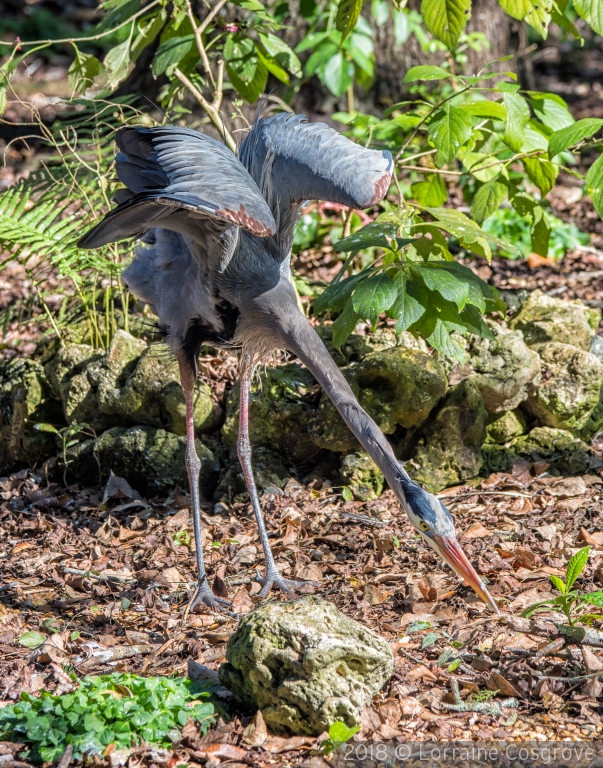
452, 553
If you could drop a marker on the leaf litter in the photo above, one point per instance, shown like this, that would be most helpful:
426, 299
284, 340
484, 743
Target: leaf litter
95, 586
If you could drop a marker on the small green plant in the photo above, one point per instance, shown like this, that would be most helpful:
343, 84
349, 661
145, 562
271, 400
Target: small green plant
181, 537
570, 601
67, 437
120, 709
339, 733
508, 225
482, 696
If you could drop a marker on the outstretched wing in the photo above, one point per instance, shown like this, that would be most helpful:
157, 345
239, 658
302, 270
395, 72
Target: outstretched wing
181, 180
292, 160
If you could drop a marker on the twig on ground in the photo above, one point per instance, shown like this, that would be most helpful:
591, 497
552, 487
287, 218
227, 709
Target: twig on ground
577, 635
494, 708
100, 576
65, 761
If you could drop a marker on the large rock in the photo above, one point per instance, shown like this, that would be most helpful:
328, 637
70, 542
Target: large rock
397, 387
365, 341
566, 454
503, 369
362, 476
26, 399
502, 427
543, 319
129, 384
448, 447
279, 414
269, 469
151, 460
569, 389
305, 665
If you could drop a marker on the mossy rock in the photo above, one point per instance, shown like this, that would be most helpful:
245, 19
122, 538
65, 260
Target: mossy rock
305, 665
362, 476
278, 414
566, 454
502, 427
268, 469
397, 387
569, 389
151, 460
544, 319
504, 368
448, 447
26, 399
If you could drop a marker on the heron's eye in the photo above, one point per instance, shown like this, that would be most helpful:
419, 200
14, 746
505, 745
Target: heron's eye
424, 526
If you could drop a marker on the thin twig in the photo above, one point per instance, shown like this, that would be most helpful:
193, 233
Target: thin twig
99, 576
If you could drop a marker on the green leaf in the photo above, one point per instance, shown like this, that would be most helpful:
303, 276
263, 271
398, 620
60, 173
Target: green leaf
541, 232
594, 598
348, 12
246, 71
32, 639
147, 32
344, 325
445, 283
374, 295
537, 13
2, 99
84, 68
573, 134
552, 114
338, 74
339, 732
493, 110
347, 494
558, 583
336, 295
431, 192
518, 116
541, 172
281, 52
118, 64
449, 132
488, 199
592, 13
444, 657
375, 234
406, 309
576, 566
425, 73
429, 639
594, 184
446, 19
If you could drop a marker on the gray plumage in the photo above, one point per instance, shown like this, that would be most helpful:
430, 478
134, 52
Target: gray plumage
215, 268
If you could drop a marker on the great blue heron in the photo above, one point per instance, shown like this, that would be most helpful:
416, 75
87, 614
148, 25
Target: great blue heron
216, 270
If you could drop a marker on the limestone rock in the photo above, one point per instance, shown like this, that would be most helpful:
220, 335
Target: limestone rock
151, 460
397, 387
278, 413
543, 318
502, 427
566, 454
503, 369
448, 447
268, 469
305, 665
358, 345
26, 398
361, 475
569, 390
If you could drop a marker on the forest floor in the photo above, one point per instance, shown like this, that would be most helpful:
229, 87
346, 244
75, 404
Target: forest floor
131, 614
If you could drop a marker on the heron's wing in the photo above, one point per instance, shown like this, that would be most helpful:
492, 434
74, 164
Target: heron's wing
181, 180
292, 160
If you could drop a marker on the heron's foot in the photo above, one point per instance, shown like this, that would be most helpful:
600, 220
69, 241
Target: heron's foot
205, 597
274, 579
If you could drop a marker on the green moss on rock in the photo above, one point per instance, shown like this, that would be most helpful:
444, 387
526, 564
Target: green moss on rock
448, 448
361, 475
305, 665
566, 454
502, 427
543, 319
569, 389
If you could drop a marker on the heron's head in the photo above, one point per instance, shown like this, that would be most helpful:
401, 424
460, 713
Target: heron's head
433, 521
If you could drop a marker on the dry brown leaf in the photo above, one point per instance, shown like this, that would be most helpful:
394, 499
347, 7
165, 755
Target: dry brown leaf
476, 531
173, 578
241, 602
375, 595
256, 733
278, 744
420, 672
525, 558
311, 572
497, 682
430, 593
221, 752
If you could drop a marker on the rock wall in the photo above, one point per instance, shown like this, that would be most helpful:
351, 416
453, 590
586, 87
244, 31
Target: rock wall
533, 390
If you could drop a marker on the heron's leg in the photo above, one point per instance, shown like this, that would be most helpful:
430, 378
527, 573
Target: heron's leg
193, 465
273, 577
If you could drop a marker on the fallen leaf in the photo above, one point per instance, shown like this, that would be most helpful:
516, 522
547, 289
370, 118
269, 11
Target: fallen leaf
311, 572
277, 744
118, 488
246, 555
533, 595
241, 602
535, 260
255, 734
420, 672
525, 558
32, 639
497, 682
375, 595
546, 531
476, 531
567, 487
173, 578
220, 751
430, 593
